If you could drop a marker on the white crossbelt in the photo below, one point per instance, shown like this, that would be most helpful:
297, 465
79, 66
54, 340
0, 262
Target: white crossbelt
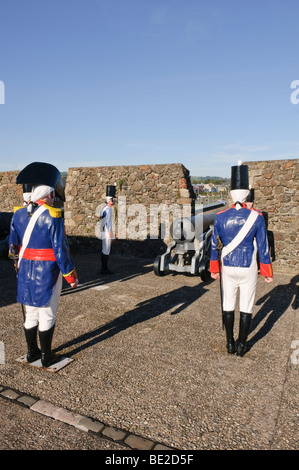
241, 234
29, 229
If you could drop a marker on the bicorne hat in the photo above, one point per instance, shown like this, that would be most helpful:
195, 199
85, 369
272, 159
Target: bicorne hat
39, 173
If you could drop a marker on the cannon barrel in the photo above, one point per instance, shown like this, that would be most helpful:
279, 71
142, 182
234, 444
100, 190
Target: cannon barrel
186, 229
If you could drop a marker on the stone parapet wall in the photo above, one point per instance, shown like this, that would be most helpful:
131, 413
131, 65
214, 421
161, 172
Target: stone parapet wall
276, 185
141, 187
10, 192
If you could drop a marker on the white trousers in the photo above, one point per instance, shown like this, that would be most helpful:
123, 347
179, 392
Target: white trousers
106, 243
44, 317
236, 279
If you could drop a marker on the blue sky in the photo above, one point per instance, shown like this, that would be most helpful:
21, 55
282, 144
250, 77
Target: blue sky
204, 83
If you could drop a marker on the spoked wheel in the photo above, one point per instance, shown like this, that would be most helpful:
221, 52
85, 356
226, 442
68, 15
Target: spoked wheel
157, 266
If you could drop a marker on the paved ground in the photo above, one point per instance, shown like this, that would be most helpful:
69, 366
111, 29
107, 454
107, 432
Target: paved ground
150, 366
25, 430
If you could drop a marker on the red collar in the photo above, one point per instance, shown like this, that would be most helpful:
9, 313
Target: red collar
243, 205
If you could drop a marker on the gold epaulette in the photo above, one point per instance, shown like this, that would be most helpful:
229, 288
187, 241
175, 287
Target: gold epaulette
54, 211
16, 208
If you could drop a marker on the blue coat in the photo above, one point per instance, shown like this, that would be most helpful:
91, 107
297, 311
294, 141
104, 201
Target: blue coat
227, 225
47, 254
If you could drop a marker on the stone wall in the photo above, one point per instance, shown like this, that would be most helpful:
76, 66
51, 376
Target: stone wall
276, 185
10, 192
140, 187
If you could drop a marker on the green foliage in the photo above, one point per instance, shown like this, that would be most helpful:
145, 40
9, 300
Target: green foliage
209, 179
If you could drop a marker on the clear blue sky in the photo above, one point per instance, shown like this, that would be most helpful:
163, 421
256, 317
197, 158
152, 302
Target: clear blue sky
122, 82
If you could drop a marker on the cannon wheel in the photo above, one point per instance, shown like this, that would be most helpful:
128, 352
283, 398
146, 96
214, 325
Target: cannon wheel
205, 274
157, 264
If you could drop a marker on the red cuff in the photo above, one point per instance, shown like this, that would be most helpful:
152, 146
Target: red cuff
266, 270
214, 266
71, 277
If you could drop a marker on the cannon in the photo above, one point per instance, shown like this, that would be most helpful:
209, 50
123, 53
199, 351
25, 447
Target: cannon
189, 251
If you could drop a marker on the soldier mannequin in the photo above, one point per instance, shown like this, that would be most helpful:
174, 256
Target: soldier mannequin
238, 259
106, 217
250, 199
39, 244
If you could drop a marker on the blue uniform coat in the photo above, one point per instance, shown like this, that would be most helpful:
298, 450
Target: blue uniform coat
227, 224
47, 254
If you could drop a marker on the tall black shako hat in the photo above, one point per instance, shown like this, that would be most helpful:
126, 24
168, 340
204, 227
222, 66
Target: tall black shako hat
38, 173
110, 190
250, 197
239, 177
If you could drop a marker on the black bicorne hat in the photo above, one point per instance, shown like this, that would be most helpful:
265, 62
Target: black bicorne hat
38, 173
239, 177
27, 187
110, 190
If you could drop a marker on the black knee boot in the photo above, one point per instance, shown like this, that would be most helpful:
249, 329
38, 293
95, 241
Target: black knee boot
33, 352
245, 325
45, 338
105, 269
228, 322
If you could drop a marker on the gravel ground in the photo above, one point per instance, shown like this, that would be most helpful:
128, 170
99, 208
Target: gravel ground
149, 358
